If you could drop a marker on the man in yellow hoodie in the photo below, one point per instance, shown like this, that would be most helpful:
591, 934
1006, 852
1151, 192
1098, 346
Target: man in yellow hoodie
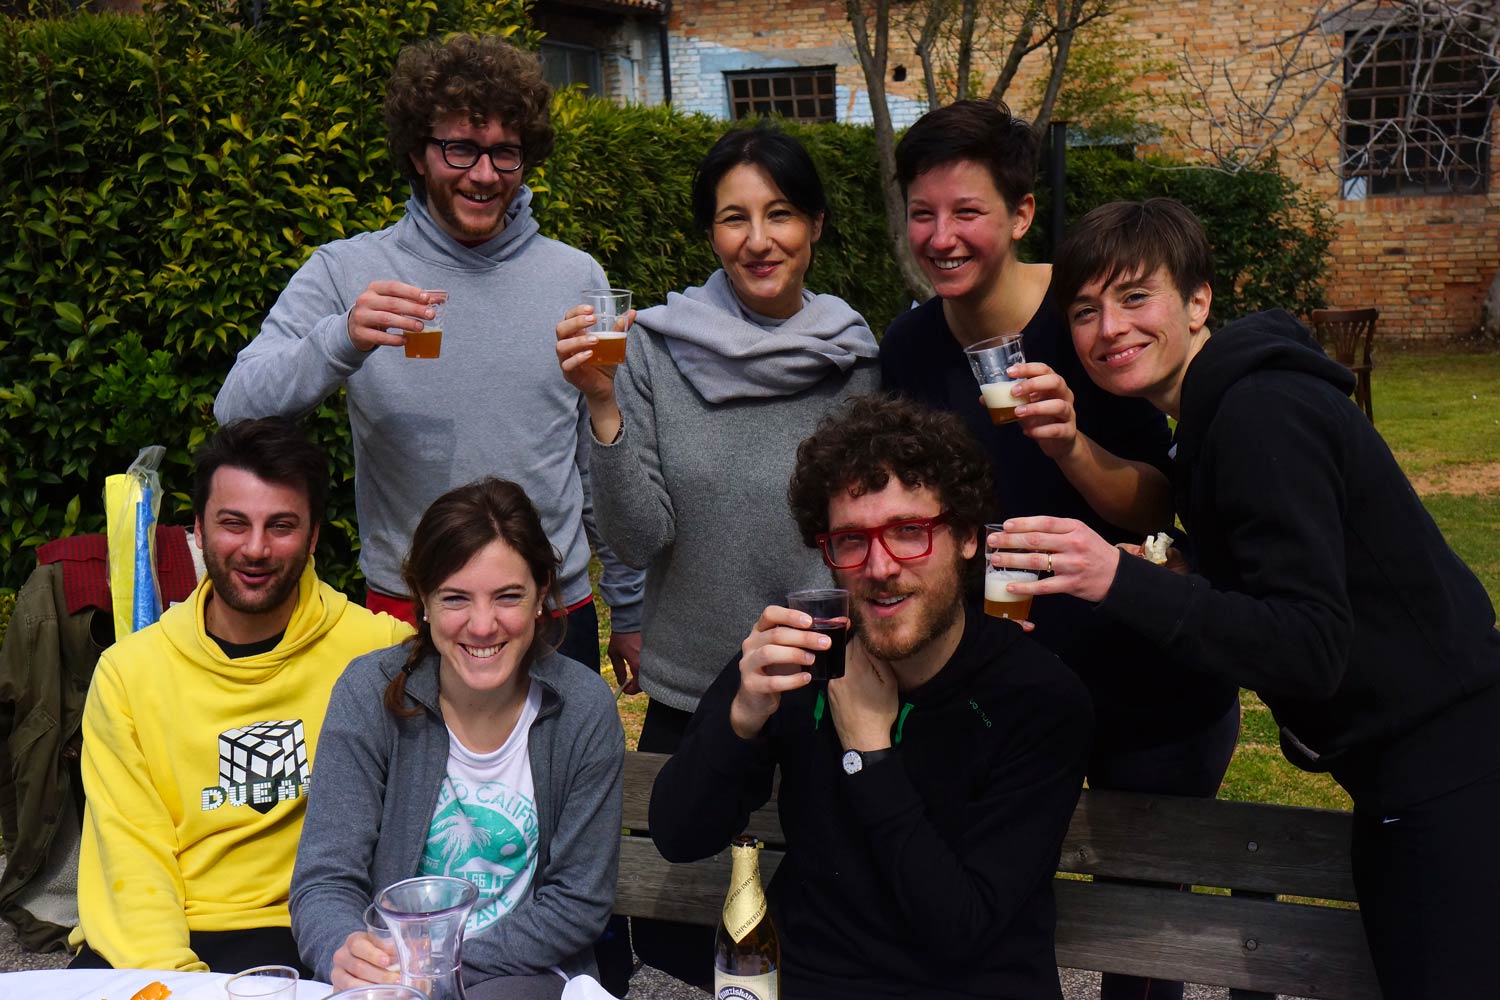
200, 731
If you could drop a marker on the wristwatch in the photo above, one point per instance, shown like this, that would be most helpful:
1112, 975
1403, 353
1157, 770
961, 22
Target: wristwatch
856, 761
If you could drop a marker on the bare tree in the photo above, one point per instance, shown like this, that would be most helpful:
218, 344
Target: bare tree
1407, 88
1430, 68
943, 33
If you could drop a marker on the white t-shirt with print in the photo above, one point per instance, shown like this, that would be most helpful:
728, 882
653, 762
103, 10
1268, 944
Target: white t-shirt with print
484, 828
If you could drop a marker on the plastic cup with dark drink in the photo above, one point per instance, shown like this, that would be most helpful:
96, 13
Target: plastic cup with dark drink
990, 360
830, 614
428, 343
610, 307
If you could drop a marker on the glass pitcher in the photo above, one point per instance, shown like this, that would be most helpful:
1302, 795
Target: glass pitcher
427, 916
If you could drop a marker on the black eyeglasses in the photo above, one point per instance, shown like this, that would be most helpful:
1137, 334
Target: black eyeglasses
904, 540
461, 154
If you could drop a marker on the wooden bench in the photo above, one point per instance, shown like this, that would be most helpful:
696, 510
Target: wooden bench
1246, 939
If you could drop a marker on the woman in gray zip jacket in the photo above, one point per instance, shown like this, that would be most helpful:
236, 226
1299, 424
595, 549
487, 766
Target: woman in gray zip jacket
472, 750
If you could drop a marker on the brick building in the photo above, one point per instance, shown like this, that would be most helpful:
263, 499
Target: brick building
1421, 248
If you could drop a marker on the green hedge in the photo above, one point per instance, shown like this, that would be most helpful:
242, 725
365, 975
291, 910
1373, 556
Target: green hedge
1270, 238
162, 176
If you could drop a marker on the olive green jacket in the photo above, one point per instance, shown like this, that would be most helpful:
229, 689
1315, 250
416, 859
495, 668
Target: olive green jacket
45, 665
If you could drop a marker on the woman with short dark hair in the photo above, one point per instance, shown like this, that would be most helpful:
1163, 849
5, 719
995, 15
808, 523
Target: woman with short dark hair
472, 750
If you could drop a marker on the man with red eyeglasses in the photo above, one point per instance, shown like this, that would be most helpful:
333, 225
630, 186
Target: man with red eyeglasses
924, 795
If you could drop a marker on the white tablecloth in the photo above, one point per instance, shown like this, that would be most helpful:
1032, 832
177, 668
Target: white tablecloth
122, 984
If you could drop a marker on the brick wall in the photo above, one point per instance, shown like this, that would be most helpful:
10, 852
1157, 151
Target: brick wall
712, 37
1425, 262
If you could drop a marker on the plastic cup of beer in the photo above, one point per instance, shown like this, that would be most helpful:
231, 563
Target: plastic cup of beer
990, 359
999, 602
429, 342
610, 308
829, 610
264, 982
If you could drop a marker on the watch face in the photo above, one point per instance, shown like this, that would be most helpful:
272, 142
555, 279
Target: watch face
853, 762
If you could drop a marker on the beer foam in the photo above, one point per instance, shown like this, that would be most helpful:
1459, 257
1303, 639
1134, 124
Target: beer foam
996, 579
997, 395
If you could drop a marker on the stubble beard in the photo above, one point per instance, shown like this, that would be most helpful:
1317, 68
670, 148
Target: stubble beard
939, 608
283, 585
443, 204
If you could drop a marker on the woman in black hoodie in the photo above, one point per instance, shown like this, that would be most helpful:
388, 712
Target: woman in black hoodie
1319, 580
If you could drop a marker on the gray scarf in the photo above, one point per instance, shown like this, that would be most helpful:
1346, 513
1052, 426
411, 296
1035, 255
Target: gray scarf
725, 354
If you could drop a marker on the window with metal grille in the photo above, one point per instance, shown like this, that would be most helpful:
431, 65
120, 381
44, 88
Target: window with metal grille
802, 94
1416, 115
564, 65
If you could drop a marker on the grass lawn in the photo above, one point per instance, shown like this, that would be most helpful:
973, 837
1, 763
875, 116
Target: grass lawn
1440, 414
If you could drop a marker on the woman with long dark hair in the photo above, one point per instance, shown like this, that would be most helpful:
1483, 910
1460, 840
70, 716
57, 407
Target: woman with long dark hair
474, 750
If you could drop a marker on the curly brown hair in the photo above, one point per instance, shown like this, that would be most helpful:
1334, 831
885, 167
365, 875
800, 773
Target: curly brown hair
483, 75
860, 446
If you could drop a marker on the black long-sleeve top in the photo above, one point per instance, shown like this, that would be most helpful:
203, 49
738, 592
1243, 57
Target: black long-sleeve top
930, 872
1320, 579
1141, 696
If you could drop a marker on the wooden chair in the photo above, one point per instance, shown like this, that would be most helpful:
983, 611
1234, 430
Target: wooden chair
1349, 335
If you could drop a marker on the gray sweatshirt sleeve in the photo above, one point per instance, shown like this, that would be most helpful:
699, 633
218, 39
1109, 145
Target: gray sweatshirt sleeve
622, 585
331, 879
302, 353
630, 494
622, 582
574, 888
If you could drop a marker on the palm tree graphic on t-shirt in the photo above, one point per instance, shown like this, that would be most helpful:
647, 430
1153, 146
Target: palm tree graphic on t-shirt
472, 839
457, 837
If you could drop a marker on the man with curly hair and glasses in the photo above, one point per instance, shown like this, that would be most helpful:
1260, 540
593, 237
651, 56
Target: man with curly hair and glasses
925, 793
465, 118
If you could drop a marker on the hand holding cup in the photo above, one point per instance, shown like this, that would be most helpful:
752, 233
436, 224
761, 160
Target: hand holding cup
385, 312
776, 657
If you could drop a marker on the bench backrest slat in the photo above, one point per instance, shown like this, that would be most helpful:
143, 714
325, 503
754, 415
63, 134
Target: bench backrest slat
1249, 944
640, 774
1231, 845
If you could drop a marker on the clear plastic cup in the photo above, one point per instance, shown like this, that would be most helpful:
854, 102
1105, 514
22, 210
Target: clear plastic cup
611, 305
989, 360
829, 609
429, 342
264, 982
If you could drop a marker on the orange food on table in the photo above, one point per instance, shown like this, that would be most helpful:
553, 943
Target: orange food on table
153, 991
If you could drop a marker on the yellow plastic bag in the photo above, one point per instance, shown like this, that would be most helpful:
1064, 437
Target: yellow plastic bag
131, 503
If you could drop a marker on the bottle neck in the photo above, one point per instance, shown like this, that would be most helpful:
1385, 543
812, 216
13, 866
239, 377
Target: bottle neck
745, 906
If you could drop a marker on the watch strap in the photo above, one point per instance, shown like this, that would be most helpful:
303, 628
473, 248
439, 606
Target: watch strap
871, 757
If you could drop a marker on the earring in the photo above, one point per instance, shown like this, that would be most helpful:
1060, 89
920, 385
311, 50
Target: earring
424, 616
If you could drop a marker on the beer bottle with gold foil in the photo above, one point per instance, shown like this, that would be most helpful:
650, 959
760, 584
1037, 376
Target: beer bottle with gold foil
747, 953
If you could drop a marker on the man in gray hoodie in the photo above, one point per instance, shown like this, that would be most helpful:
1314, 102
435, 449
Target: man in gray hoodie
465, 118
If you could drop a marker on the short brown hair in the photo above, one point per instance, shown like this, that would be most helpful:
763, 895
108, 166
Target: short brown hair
860, 446
272, 449
483, 75
453, 530
982, 132
1131, 239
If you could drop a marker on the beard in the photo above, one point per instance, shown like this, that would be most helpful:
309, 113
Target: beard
441, 202
259, 600
935, 605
